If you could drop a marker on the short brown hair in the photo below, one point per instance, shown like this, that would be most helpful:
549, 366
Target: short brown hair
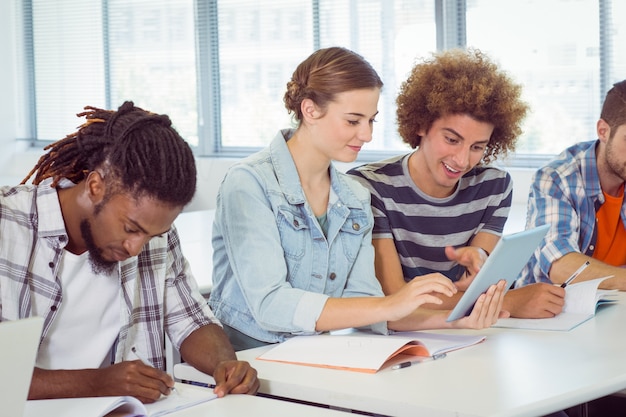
324, 74
614, 107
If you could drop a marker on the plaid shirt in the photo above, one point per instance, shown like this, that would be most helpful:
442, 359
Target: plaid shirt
566, 194
158, 293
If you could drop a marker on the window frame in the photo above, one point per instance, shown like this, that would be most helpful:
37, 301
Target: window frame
451, 32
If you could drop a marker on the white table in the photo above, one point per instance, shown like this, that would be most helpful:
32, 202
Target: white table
248, 405
513, 373
195, 229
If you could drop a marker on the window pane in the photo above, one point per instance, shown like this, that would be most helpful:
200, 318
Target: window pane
617, 31
152, 59
391, 35
68, 64
261, 43
552, 48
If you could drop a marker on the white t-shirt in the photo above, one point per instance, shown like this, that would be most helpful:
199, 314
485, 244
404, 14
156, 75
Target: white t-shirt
88, 321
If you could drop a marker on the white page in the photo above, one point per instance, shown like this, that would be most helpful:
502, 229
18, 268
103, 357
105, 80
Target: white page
583, 297
186, 396
82, 407
581, 302
358, 351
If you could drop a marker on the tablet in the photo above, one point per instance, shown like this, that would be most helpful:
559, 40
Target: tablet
505, 262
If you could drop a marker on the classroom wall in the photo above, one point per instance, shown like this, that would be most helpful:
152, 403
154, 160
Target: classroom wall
16, 159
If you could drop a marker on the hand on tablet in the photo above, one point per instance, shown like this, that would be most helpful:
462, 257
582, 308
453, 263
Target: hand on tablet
472, 258
420, 290
487, 309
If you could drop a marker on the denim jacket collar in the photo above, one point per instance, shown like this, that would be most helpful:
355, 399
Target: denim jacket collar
288, 178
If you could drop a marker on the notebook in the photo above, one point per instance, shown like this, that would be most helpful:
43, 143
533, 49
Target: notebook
505, 262
185, 396
19, 341
364, 352
582, 300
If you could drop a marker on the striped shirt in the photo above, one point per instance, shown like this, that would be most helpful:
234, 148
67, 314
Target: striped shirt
566, 194
421, 225
158, 294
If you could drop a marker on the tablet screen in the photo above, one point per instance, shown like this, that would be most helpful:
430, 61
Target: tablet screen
505, 262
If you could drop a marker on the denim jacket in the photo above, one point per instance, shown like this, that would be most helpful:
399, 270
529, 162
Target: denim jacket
273, 267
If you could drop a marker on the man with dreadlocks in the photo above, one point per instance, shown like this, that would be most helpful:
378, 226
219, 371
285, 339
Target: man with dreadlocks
90, 247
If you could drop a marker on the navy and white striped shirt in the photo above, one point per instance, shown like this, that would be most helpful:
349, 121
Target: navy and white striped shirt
422, 226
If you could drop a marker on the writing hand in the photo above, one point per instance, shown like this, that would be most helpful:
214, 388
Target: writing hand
535, 301
134, 378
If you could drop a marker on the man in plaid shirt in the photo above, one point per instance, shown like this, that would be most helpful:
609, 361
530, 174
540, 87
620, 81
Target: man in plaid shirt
581, 195
91, 247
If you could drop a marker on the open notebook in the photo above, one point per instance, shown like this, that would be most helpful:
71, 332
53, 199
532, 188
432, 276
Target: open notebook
582, 299
185, 396
18, 349
363, 352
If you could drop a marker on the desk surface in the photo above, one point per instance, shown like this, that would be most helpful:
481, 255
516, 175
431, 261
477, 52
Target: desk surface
248, 405
513, 373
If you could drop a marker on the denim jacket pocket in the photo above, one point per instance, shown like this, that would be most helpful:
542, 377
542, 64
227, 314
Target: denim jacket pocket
353, 232
294, 232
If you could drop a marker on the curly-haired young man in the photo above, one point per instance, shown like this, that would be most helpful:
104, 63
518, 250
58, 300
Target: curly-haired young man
441, 208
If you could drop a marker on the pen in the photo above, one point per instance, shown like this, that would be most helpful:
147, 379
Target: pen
406, 364
575, 274
145, 362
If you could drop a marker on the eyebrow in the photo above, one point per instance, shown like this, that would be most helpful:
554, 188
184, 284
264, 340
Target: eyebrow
449, 129
144, 231
361, 114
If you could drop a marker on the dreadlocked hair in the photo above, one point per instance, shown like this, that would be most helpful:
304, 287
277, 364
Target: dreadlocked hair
140, 151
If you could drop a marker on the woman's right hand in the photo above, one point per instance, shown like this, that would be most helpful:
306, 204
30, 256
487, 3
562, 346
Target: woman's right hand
420, 290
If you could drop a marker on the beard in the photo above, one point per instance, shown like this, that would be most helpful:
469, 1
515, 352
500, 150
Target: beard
99, 265
614, 161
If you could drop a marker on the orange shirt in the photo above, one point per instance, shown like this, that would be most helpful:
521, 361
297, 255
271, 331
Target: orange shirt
611, 243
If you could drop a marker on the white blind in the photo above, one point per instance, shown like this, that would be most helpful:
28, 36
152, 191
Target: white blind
219, 67
552, 47
152, 59
68, 65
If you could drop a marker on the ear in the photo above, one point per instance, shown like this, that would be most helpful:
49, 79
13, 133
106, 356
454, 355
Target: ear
604, 130
95, 187
310, 111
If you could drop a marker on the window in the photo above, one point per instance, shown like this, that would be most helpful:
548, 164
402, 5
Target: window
219, 67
